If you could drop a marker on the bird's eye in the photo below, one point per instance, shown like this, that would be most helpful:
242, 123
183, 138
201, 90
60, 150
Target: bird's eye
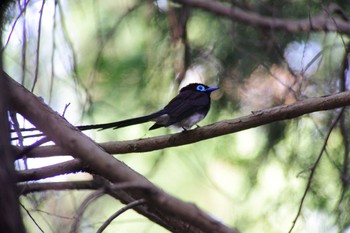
200, 88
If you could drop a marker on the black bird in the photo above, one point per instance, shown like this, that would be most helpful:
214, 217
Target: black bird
185, 110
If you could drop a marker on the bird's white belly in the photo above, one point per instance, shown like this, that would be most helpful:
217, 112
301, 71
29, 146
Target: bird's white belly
188, 122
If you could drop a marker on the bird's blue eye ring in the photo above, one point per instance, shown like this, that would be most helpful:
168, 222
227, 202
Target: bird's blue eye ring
200, 88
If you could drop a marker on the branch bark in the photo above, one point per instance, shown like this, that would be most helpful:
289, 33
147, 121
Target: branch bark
322, 22
25, 188
257, 118
11, 219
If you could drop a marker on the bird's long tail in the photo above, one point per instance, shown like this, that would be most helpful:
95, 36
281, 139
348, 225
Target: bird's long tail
124, 123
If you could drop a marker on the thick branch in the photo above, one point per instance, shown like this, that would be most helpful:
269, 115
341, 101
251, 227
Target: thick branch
162, 208
255, 119
317, 23
11, 219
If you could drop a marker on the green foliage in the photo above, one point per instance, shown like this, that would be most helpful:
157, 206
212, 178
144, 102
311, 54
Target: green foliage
253, 180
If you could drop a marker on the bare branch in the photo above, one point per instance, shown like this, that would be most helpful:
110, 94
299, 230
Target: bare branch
16, 127
25, 188
36, 75
317, 23
22, 11
314, 166
257, 118
11, 220
93, 196
31, 217
119, 212
36, 144
71, 166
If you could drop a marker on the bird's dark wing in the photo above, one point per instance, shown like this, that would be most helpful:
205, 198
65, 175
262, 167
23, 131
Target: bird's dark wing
186, 104
183, 106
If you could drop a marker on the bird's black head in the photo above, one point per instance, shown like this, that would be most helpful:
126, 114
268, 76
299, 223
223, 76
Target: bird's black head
198, 87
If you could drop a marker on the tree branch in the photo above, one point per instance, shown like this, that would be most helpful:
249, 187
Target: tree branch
321, 22
314, 166
71, 166
79, 213
257, 118
11, 220
119, 212
25, 188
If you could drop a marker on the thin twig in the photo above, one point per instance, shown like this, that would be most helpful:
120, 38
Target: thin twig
65, 109
16, 127
344, 173
13, 26
36, 144
53, 51
313, 168
74, 59
102, 43
131, 205
107, 187
36, 74
93, 196
31, 187
51, 214
31, 217
24, 42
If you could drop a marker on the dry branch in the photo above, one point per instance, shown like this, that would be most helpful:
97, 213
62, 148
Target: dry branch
257, 118
322, 22
71, 166
31, 187
10, 220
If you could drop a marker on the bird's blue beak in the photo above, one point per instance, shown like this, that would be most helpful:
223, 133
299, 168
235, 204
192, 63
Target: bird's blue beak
210, 89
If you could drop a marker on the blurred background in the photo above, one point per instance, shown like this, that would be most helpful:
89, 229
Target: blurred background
112, 60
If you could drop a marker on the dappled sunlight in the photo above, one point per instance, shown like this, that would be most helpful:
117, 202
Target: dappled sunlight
303, 58
267, 88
